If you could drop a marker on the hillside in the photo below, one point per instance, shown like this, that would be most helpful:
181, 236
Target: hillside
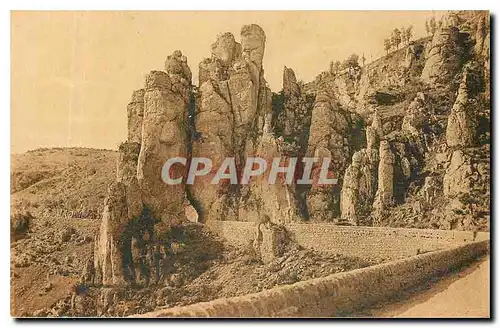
64, 190
429, 103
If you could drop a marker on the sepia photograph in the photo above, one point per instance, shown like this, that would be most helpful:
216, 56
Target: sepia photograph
250, 164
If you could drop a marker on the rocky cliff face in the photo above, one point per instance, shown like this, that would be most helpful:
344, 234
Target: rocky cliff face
454, 140
140, 207
407, 137
418, 103
233, 105
328, 138
229, 115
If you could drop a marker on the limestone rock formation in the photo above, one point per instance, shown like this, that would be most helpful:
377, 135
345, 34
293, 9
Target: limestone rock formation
374, 132
410, 56
461, 128
226, 49
372, 138
361, 178
359, 187
234, 103
123, 204
214, 121
457, 179
139, 199
108, 259
234, 114
277, 202
443, 56
271, 241
164, 136
253, 42
384, 197
430, 189
415, 117
135, 111
126, 165
482, 35
177, 69
330, 126
294, 121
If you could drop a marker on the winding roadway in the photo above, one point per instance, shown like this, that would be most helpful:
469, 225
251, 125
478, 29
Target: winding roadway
463, 294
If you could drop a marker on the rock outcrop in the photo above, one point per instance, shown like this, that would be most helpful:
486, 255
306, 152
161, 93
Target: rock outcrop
140, 204
330, 125
122, 206
276, 202
233, 118
164, 136
294, 120
233, 103
461, 128
233, 114
359, 187
361, 178
135, 112
253, 42
108, 254
444, 54
384, 197
416, 117
457, 179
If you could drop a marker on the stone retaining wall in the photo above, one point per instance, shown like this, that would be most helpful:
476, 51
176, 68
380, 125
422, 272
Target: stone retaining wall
379, 242
369, 242
336, 294
236, 233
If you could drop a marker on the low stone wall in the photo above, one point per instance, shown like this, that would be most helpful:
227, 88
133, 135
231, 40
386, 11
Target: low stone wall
236, 233
369, 242
336, 294
378, 242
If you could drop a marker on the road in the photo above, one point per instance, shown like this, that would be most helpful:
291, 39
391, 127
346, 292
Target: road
464, 294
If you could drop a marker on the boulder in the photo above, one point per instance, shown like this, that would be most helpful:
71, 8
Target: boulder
271, 241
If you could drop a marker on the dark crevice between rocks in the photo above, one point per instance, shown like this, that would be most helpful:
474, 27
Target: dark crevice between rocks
141, 231
193, 136
278, 106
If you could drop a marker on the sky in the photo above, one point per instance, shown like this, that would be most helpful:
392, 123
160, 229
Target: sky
72, 73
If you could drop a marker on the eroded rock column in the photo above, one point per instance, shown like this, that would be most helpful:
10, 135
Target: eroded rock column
122, 205
442, 57
164, 136
328, 138
384, 197
135, 112
234, 101
461, 127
